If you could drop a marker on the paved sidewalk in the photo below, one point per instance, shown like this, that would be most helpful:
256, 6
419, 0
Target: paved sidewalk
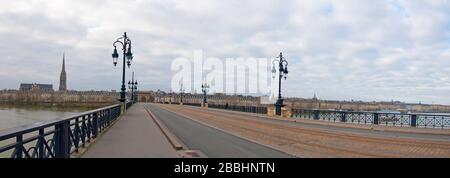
135, 135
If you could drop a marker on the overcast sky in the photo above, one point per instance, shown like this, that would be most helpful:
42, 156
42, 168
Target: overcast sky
340, 49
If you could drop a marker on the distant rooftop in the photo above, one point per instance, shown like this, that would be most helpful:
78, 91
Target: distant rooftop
35, 86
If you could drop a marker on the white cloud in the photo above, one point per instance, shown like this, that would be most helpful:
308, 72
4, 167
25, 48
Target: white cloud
341, 49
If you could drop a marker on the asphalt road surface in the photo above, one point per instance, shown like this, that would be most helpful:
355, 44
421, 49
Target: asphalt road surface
322, 139
212, 142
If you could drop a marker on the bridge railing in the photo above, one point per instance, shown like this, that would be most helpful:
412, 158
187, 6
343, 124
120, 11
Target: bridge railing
377, 118
250, 109
193, 104
57, 138
129, 104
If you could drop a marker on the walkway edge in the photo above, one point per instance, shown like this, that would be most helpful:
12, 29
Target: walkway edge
173, 140
81, 153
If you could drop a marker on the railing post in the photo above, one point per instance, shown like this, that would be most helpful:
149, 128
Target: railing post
414, 120
83, 131
375, 118
76, 134
316, 114
343, 117
109, 117
41, 143
62, 142
19, 146
95, 125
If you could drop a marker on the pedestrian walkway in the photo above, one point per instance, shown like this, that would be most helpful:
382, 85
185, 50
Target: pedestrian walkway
135, 135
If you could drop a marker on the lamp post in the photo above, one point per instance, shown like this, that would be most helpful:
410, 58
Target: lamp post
205, 88
181, 93
125, 43
171, 99
132, 85
283, 71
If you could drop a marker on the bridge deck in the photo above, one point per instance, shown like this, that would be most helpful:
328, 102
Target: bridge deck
318, 140
135, 135
220, 133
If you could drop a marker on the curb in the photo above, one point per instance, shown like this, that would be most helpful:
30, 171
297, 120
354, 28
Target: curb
182, 150
176, 144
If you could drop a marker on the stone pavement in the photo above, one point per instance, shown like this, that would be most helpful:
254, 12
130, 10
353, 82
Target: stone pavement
135, 135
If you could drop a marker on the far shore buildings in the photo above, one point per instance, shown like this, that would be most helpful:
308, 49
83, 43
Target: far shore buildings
48, 87
35, 87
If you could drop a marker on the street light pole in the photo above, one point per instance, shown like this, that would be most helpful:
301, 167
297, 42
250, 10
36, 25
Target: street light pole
283, 71
181, 93
205, 90
125, 42
133, 86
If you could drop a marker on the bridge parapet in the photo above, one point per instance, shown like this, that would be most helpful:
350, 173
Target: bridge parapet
420, 120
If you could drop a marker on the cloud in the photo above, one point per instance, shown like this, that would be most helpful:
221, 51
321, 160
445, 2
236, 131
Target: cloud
340, 49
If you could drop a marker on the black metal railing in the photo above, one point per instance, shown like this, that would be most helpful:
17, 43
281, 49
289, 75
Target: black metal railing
193, 104
377, 118
129, 104
57, 138
250, 109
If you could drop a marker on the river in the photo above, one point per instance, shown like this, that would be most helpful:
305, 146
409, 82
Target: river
13, 116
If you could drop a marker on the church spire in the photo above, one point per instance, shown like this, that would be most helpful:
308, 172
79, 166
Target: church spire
64, 63
315, 97
63, 77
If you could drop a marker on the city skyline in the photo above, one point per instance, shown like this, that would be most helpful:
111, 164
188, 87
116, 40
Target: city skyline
340, 50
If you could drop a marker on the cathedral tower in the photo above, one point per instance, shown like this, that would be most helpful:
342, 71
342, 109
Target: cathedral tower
63, 77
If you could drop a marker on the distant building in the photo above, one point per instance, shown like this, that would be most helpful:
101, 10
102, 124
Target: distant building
63, 76
48, 87
35, 87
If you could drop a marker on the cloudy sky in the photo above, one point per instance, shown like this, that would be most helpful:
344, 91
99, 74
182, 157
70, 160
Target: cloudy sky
340, 49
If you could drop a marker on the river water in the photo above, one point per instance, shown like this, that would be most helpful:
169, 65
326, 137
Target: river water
13, 116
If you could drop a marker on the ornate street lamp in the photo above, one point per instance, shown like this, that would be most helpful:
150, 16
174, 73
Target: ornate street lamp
283, 72
205, 88
181, 93
125, 43
132, 85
